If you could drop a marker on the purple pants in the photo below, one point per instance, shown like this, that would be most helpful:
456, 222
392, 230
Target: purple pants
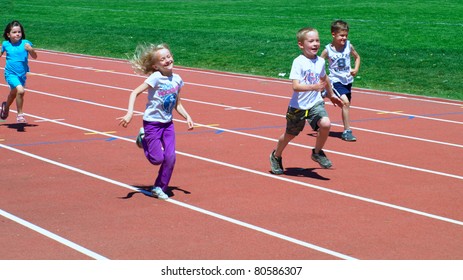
159, 147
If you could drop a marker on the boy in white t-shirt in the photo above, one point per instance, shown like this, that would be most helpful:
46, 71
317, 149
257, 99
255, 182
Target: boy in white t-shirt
309, 79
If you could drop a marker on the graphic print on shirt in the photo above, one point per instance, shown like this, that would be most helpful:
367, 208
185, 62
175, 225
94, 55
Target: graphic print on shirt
168, 94
339, 62
311, 78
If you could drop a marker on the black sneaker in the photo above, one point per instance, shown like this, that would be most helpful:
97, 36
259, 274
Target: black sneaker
276, 164
321, 159
3, 111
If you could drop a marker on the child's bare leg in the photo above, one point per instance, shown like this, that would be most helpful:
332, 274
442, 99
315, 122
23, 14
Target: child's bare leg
19, 98
345, 112
282, 143
324, 125
11, 97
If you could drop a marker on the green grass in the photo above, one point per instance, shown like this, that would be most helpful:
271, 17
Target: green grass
406, 46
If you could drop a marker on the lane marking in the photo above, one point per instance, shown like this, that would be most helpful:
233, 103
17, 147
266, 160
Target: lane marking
185, 205
106, 132
333, 124
389, 112
381, 93
266, 174
248, 110
363, 91
81, 67
35, 74
104, 71
48, 120
53, 236
239, 90
221, 130
237, 108
206, 125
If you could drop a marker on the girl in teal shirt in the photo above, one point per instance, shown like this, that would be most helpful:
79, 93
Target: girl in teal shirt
17, 50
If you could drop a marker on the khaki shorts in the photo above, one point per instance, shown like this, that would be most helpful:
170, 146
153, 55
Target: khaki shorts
295, 118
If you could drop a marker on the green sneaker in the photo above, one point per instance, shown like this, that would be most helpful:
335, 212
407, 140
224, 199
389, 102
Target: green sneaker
321, 159
276, 164
140, 136
347, 136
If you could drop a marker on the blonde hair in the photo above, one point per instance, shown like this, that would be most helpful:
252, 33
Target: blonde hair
145, 56
302, 33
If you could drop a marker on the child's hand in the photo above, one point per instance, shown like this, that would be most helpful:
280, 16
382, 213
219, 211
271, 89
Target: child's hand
320, 86
125, 120
353, 73
336, 101
190, 123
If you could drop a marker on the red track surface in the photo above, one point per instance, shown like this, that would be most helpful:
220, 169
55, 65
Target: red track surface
396, 193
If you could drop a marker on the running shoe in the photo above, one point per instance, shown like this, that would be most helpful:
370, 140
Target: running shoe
20, 118
140, 136
276, 164
157, 192
3, 111
347, 136
321, 159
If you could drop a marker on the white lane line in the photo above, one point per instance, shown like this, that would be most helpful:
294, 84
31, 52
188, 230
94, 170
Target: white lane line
266, 174
247, 77
53, 236
249, 92
191, 207
356, 128
48, 120
272, 139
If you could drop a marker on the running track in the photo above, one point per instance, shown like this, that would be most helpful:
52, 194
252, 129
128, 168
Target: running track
72, 180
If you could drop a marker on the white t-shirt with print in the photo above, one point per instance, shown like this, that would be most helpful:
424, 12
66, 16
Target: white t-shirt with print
162, 97
306, 71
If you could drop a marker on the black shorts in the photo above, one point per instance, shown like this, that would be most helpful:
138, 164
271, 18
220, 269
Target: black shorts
341, 89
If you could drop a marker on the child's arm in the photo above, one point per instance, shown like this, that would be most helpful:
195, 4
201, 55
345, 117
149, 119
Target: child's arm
182, 111
125, 120
297, 86
30, 50
356, 56
324, 54
330, 94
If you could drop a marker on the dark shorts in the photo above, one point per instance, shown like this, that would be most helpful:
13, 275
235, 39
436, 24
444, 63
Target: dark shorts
340, 89
295, 118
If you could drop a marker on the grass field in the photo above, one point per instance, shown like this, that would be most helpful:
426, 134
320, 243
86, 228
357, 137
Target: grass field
405, 46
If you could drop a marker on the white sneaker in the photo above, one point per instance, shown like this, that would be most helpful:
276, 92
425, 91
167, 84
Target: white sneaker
157, 192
